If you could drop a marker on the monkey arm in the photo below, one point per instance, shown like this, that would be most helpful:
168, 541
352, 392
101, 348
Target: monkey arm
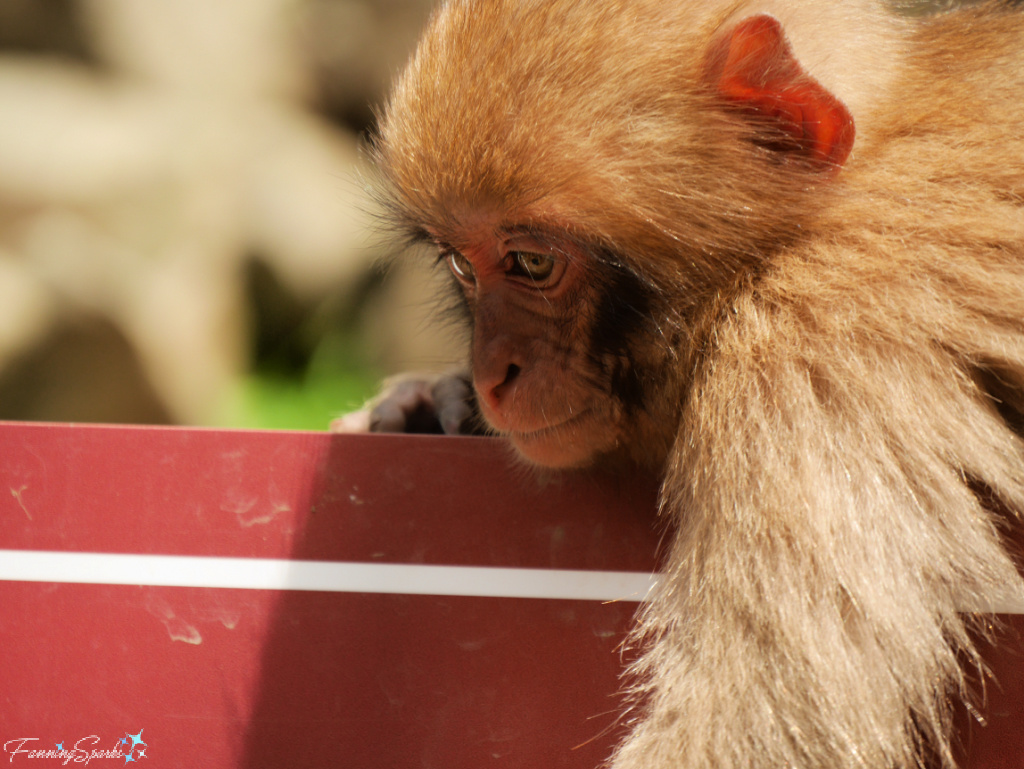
417, 403
827, 544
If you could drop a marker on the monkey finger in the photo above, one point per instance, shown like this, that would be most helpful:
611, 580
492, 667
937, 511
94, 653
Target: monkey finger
453, 403
389, 416
354, 422
405, 406
416, 403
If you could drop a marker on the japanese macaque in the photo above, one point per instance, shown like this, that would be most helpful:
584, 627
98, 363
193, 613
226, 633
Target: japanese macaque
775, 249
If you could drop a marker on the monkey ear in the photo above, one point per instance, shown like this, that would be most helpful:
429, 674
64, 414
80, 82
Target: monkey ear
753, 68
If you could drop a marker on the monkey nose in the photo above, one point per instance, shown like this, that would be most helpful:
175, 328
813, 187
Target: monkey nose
496, 391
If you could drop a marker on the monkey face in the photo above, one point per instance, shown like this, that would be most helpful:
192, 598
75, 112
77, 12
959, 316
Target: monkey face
556, 361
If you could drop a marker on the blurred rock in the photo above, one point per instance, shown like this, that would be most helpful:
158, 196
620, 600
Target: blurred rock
136, 193
45, 26
356, 47
234, 48
80, 371
28, 309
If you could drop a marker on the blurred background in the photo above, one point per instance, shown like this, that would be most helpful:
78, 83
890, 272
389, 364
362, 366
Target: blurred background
186, 235
185, 230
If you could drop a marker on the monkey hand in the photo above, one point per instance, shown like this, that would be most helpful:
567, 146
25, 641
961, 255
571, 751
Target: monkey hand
417, 403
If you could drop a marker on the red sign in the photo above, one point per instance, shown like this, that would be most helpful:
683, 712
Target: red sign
201, 598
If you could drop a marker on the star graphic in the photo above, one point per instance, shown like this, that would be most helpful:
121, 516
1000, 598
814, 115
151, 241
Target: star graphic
60, 746
136, 739
142, 752
124, 740
128, 758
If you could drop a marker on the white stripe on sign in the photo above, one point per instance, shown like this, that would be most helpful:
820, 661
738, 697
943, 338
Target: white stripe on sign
326, 576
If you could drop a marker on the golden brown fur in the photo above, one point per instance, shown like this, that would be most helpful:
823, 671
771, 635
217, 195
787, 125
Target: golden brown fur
845, 350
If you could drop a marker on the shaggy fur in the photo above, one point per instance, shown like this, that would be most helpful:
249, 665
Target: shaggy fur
847, 348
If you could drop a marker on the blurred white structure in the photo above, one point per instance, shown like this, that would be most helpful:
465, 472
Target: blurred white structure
135, 193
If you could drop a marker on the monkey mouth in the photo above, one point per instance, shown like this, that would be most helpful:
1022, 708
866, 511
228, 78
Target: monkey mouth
573, 442
549, 430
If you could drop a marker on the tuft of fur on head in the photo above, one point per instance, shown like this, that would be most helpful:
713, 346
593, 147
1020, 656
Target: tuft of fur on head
852, 347
646, 163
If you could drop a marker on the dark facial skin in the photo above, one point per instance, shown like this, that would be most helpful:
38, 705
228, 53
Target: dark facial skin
557, 362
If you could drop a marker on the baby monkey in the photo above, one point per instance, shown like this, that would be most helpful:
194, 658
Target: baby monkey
776, 251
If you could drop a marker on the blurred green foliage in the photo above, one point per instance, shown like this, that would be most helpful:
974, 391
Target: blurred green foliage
275, 402
309, 362
337, 380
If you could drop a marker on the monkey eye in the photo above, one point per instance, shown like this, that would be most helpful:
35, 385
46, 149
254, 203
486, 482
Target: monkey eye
537, 267
461, 267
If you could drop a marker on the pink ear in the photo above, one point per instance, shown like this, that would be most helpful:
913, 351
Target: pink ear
754, 68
